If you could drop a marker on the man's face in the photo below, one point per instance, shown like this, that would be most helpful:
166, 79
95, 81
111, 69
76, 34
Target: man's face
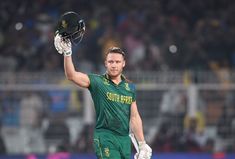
114, 64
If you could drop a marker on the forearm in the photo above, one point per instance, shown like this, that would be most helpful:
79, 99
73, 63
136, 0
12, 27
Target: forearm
71, 74
69, 67
143, 149
137, 127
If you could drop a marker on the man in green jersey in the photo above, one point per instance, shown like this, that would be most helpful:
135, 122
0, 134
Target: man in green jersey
115, 104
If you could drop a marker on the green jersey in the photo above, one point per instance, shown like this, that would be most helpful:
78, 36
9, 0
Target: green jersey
112, 103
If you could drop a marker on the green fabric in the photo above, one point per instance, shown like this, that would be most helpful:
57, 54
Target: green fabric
110, 146
112, 103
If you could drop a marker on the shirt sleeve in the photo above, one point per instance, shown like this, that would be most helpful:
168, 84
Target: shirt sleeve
133, 89
93, 82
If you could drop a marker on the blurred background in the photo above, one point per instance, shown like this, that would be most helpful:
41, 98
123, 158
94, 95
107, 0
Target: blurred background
180, 54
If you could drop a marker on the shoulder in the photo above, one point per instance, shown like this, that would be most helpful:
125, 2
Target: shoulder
94, 76
130, 83
94, 79
132, 86
126, 79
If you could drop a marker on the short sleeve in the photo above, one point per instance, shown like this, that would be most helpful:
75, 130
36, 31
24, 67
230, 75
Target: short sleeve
93, 81
133, 89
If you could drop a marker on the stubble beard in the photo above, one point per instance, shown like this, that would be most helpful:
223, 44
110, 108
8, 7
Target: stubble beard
116, 75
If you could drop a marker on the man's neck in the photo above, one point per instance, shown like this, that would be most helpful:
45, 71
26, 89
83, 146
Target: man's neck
116, 80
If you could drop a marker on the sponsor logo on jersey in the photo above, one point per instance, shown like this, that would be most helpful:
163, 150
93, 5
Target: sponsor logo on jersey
106, 81
127, 87
106, 152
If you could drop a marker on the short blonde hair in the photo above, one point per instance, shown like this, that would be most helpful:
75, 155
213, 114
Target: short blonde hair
115, 50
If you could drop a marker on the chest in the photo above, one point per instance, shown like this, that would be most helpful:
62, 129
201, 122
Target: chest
116, 93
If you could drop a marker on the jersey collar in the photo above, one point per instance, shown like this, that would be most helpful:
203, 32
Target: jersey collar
123, 78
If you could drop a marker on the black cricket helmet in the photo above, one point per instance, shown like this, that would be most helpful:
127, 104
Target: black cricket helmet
71, 26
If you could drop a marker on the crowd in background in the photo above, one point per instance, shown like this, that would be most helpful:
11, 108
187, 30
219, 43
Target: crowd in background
157, 35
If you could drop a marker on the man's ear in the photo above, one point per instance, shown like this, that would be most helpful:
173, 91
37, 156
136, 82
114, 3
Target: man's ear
105, 64
124, 64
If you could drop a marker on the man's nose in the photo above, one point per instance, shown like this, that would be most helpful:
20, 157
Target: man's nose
114, 64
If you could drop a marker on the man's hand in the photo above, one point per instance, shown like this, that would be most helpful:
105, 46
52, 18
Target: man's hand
145, 152
63, 46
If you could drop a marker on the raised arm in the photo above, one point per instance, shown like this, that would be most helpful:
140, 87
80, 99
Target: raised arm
65, 48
